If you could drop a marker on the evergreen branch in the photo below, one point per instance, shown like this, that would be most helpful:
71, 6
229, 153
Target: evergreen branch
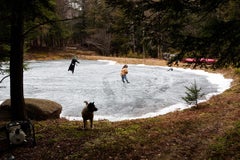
48, 22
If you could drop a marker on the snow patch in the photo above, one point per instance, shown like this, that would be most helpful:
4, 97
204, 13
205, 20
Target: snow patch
109, 62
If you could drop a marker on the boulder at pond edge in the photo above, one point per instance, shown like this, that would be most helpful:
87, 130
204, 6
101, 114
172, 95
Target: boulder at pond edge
36, 109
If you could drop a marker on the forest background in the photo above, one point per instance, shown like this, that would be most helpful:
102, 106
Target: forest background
134, 28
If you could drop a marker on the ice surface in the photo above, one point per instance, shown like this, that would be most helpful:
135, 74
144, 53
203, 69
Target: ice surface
152, 90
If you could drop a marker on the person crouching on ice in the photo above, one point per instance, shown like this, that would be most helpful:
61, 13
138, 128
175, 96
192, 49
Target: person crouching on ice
124, 73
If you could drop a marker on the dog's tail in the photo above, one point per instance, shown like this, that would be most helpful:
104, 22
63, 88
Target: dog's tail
86, 102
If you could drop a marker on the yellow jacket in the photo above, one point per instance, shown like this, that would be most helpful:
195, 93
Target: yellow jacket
124, 71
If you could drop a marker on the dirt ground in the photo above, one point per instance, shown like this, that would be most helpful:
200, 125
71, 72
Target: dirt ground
91, 56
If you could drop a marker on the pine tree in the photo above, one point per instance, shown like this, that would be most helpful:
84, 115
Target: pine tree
193, 93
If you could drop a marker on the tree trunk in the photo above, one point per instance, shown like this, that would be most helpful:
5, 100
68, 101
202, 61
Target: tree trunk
16, 62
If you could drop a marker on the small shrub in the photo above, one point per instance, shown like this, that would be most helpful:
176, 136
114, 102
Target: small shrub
193, 93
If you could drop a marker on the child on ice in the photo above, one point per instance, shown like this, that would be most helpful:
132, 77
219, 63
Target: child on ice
124, 73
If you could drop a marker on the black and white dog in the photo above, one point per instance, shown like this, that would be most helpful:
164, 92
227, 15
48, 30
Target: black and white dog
87, 113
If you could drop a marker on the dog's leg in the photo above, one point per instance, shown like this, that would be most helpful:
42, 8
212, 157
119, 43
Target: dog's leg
84, 124
91, 123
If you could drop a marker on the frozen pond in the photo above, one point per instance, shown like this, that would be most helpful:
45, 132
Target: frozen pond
152, 90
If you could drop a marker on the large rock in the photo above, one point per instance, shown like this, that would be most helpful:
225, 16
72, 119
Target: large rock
36, 109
